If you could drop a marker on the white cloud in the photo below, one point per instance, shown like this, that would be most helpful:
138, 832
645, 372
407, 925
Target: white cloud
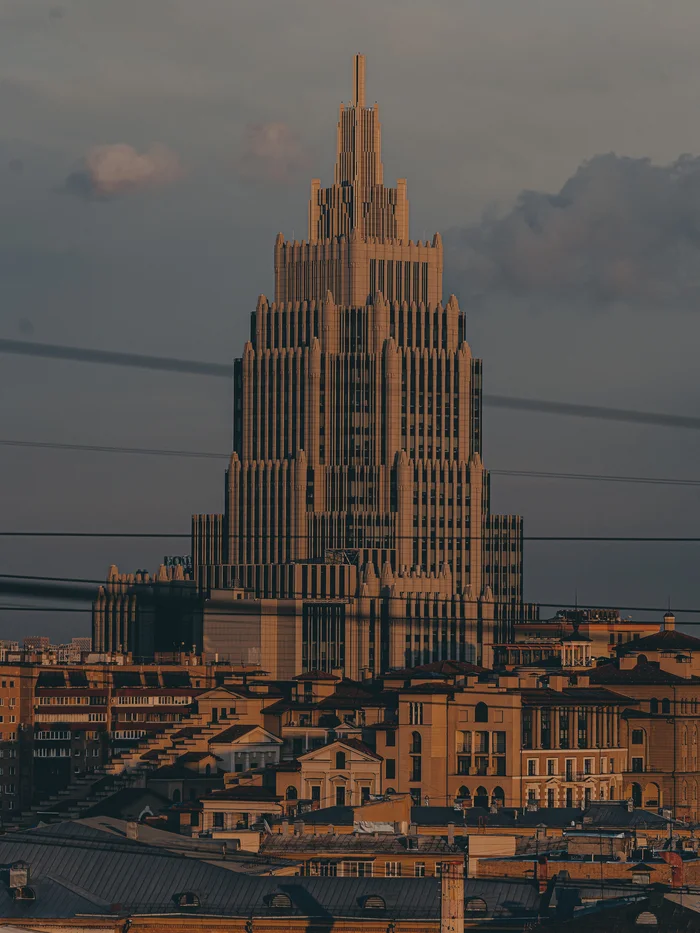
116, 169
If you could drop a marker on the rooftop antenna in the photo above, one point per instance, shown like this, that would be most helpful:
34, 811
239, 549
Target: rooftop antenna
358, 80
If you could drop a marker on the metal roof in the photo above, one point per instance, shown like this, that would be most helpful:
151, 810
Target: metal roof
76, 870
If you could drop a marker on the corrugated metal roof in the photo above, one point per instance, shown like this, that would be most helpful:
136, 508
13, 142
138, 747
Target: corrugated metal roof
381, 844
75, 870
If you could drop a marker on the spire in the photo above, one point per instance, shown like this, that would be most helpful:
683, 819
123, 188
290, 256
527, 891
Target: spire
358, 84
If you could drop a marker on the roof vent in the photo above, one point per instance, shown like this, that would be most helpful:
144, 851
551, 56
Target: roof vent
19, 874
646, 919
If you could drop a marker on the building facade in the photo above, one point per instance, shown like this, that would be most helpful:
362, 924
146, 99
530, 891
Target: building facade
357, 532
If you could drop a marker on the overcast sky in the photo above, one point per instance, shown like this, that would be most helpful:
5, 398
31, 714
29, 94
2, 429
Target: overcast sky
150, 150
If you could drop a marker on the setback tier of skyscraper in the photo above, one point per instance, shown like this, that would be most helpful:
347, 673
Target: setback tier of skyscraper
357, 532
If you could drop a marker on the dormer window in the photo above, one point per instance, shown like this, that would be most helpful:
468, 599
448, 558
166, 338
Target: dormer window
282, 901
188, 900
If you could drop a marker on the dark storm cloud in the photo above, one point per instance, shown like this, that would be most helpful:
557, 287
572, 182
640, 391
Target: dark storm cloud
113, 170
620, 230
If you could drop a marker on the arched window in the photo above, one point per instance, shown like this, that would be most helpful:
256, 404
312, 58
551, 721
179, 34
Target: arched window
188, 899
291, 793
481, 713
207, 770
374, 902
281, 900
416, 743
666, 706
389, 791
463, 793
339, 761
475, 906
481, 798
653, 706
498, 797
177, 796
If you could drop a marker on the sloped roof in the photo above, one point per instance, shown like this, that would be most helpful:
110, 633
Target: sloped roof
667, 640
642, 673
244, 792
316, 675
292, 845
231, 734
437, 669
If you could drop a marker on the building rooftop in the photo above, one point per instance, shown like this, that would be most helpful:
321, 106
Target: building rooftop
644, 672
668, 640
355, 843
80, 870
437, 669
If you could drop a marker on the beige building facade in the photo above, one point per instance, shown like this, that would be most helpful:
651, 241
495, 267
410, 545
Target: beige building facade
357, 532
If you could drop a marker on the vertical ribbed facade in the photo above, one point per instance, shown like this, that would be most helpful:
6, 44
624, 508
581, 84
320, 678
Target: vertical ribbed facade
356, 491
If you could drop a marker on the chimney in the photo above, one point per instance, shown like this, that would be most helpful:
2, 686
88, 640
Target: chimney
132, 830
630, 805
19, 874
669, 622
285, 827
542, 874
451, 833
413, 829
299, 828
452, 898
331, 829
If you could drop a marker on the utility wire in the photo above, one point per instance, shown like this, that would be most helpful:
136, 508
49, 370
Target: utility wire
498, 537
225, 370
210, 455
79, 591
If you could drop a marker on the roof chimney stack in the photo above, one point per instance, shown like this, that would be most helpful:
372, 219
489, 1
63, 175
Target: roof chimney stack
669, 622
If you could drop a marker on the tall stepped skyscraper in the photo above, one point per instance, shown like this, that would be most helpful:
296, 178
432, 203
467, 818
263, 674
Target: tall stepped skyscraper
357, 533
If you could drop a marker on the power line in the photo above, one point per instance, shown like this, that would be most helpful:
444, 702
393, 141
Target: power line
496, 537
81, 591
225, 370
211, 455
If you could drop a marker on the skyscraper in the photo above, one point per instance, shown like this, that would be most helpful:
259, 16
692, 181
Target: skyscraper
357, 533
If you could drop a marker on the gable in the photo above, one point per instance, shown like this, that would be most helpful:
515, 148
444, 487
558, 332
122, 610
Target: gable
255, 735
352, 750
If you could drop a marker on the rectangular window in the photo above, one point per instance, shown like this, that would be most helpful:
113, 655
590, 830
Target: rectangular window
550, 798
415, 711
551, 766
416, 768
390, 768
532, 767
390, 738
419, 870
637, 736
392, 869
588, 766
499, 743
637, 765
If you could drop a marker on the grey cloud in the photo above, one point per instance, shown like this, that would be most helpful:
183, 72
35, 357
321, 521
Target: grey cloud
113, 170
620, 230
272, 153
